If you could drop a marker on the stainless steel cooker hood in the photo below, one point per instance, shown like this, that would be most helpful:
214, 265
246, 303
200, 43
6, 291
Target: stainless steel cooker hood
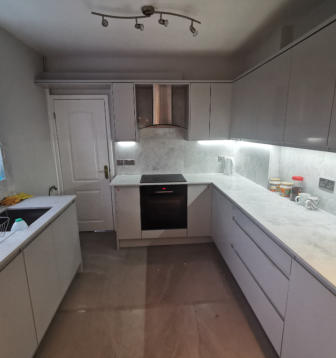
162, 100
162, 105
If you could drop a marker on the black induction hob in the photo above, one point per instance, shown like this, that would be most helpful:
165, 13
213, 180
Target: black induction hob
162, 178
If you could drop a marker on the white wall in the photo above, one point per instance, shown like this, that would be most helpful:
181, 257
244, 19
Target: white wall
182, 67
24, 130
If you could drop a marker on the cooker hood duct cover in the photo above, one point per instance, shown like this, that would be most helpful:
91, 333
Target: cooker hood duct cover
162, 105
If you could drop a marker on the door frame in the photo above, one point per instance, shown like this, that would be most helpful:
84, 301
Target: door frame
54, 139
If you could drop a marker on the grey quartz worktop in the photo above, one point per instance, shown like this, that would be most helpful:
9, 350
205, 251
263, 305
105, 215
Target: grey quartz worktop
12, 243
308, 236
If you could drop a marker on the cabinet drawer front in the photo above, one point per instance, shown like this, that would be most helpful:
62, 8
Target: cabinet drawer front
266, 314
273, 251
270, 279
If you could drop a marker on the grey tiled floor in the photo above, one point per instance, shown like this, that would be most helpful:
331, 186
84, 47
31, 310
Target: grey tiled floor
160, 302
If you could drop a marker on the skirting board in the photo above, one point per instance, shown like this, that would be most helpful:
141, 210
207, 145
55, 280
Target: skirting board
164, 241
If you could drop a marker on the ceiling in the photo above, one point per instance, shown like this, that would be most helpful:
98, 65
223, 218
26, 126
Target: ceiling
66, 27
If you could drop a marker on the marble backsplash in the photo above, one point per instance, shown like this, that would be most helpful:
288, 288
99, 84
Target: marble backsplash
311, 165
165, 150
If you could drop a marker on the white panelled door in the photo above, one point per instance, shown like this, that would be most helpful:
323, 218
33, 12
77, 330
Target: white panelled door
82, 126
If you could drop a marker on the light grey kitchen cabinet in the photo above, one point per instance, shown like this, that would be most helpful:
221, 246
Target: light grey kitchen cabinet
222, 224
18, 336
272, 80
127, 204
44, 283
259, 102
199, 123
311, 318
311, 89
274, 252
272, 281
67, 246
199, 210
332, 131
124, 111
244, 108
220, 110
270, 320
210, 111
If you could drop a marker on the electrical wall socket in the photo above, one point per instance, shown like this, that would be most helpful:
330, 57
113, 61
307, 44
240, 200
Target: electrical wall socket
120, 162
129, 162
327, 184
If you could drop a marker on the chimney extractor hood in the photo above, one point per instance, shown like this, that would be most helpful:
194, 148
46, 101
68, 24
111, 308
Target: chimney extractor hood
162, 105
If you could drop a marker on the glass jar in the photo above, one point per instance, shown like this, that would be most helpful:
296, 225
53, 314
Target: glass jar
274, 184
285, 189
297, 187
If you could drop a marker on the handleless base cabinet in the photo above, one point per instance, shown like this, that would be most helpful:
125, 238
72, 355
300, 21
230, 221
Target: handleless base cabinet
310, 325
18, 337
34, 283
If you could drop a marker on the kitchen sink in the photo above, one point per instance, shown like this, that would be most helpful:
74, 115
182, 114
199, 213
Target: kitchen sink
28, 215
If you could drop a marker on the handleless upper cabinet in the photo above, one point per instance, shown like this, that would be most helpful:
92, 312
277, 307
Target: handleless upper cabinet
271, 92
199, 123
220, 110
244, 108
311, 90
259, 102
124, 112
210, 111
332, 131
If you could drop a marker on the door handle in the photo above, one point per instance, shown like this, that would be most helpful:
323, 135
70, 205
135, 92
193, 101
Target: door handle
106, 171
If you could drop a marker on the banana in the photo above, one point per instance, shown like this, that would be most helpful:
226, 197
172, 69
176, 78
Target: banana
14, 199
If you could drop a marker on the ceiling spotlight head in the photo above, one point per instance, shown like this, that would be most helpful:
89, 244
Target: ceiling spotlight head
163, 22
148, 10
104, 22
139, 26
193, 30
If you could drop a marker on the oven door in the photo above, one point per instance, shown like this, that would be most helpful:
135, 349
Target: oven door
163, 207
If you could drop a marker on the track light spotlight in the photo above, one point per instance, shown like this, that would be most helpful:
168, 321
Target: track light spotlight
192, 29
104, 22
163, 22
139, 26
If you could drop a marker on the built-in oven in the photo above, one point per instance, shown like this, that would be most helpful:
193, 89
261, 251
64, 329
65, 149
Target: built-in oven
163, 207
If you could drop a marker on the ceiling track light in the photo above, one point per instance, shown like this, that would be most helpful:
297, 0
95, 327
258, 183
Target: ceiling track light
148, 11
104, 22
192, 29
139, 26
163, 22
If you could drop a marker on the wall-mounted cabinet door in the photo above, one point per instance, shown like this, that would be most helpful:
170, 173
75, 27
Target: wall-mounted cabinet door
199, 123
311, 90
244, 108
17, 338
271, 92
332, 131
124, 112
220, 116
